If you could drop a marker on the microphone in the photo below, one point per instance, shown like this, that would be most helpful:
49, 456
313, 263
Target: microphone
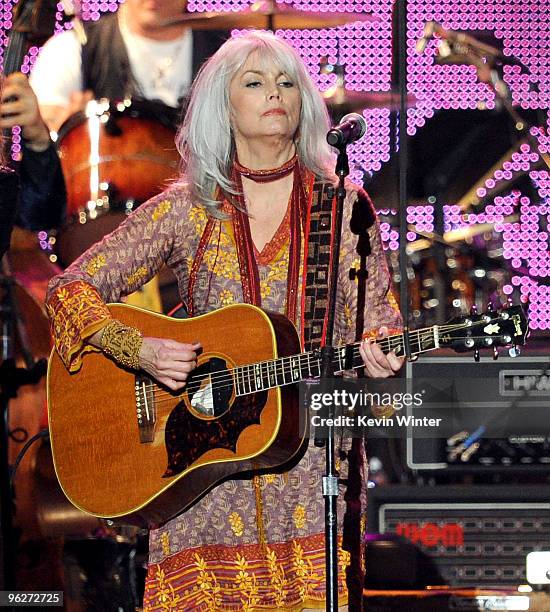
352, 127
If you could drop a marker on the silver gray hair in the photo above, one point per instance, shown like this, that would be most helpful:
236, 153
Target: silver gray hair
204, 139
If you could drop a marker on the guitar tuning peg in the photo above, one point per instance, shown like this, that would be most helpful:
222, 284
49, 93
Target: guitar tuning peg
476, 355
510, 301
515, 351
495, 353
490, 306
473, 309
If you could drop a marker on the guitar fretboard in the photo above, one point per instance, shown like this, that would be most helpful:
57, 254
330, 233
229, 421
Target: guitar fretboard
264, 375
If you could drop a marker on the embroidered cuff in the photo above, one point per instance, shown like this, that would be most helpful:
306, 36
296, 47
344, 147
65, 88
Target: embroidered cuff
76, 312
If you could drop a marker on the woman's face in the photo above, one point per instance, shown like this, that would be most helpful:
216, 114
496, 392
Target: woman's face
265, 103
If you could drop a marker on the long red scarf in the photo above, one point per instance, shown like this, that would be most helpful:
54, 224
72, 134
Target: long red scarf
248, 265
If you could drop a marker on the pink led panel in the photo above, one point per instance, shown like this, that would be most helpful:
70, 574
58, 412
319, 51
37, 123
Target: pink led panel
523, 29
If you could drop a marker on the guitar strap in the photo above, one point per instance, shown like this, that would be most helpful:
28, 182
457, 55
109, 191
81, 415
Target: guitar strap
317, 265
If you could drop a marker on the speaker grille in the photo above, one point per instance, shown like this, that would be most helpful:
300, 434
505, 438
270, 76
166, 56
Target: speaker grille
472, 544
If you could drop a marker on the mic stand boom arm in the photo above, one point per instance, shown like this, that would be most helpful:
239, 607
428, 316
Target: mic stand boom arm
466, 49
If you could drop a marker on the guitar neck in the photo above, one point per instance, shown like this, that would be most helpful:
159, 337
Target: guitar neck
14, 53
264, 375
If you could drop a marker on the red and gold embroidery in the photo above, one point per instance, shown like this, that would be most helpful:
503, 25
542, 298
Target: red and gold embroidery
277, 574
304, 571
245, 581
76, 312
208, 584
280, 238
280, 576
392, 301
277, 271
167, 598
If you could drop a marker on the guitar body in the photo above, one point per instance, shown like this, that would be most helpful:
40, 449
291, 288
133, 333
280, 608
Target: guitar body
124, 447
122, 450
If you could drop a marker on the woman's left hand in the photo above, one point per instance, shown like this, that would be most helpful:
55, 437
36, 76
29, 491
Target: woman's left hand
377, 364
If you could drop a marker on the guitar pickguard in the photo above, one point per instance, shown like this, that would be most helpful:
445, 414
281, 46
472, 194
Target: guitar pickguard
187, 437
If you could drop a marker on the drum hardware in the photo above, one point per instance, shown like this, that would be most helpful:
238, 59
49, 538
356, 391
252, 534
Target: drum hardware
347, 101
270, 15
114, 155
471, 278
341, 101
462, 234
472, 197
463, 285
474, 273
461, 48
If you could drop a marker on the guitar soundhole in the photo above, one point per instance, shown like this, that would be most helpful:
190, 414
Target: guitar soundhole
209, 389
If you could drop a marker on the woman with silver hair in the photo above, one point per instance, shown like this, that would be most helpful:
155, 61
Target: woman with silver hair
235, 229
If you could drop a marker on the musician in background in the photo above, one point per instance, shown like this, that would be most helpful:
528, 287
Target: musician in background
142, 52
34, 200
9, 192
255, 159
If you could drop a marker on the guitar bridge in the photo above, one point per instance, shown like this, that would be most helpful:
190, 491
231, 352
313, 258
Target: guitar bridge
146, 411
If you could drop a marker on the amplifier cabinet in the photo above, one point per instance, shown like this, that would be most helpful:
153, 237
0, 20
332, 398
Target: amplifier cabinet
516, 390
476, 536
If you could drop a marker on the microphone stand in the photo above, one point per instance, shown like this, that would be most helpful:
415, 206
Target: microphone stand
330, 480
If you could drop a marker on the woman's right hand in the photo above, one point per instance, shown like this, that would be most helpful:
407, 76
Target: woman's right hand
168, 361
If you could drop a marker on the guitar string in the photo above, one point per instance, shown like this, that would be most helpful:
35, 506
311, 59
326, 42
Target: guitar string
288, 366
160, 393
385, 343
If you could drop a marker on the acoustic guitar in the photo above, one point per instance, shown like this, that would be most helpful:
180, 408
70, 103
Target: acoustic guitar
125, 447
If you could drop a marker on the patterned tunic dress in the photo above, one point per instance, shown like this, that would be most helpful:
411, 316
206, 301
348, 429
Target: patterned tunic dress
249, 544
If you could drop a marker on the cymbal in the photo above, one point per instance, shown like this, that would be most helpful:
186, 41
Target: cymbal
453, 236
266, 14
344, 100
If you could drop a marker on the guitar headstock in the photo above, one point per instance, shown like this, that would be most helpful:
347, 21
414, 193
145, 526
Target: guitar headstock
491, 329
